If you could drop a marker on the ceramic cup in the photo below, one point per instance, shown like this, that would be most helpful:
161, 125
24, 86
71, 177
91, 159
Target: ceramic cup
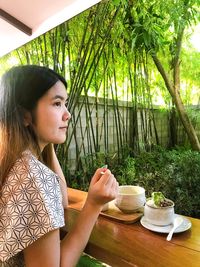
130, 198
159, 215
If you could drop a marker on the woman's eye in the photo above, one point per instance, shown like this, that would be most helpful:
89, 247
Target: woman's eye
58, 104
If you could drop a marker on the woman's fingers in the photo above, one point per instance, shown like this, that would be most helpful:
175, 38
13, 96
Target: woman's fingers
98, 174
112, 186
109, 184
103, 187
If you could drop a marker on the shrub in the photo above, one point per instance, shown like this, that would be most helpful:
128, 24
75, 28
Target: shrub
176, 173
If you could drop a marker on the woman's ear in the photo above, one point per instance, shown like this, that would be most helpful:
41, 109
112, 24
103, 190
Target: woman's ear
27, 118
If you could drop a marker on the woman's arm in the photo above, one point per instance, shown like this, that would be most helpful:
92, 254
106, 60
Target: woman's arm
49, 251
103, 188
44, 252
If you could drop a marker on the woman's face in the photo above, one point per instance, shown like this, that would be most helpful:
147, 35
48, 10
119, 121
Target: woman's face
51, 116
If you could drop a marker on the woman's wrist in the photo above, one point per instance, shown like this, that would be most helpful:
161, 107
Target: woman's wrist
93, 206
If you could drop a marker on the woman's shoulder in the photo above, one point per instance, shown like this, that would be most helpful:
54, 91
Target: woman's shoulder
28, 167
30, 177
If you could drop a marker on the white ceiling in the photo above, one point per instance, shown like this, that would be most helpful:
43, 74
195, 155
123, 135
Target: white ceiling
39, 15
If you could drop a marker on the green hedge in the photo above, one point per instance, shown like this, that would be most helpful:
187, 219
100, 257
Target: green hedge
176, 173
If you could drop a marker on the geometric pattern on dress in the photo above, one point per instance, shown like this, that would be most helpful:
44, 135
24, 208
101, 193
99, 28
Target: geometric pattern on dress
30, 206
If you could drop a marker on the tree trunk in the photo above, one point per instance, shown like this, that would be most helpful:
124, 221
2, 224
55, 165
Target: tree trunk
192, 136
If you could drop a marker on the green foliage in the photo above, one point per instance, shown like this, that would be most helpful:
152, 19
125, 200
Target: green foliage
125, 171
194, 115
88, 261
120, 163
72, 48
89, 164
176, 173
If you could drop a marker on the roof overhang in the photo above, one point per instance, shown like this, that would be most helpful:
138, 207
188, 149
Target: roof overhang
23, 20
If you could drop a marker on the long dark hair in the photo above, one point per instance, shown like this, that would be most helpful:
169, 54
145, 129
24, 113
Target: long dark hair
20, 89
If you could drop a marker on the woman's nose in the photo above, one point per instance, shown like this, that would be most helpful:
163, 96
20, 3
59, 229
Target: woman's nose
66, 115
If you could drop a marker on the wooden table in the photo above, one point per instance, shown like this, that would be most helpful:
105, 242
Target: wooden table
124, 245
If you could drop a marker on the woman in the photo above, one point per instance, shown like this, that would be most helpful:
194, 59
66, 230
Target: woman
33, 117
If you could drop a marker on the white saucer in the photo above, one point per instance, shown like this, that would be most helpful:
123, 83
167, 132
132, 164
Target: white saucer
186, 224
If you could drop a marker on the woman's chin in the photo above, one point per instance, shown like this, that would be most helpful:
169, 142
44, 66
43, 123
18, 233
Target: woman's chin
60, 141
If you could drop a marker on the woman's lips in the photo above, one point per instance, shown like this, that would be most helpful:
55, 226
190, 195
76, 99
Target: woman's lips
63, 128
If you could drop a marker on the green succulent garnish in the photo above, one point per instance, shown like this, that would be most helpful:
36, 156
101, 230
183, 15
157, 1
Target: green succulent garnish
158, 198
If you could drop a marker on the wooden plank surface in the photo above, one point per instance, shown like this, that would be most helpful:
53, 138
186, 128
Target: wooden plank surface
120, 244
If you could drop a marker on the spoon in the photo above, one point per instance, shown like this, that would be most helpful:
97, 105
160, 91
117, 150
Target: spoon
104, 167
177, 222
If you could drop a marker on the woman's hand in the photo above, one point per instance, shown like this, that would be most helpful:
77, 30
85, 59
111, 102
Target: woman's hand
103, 188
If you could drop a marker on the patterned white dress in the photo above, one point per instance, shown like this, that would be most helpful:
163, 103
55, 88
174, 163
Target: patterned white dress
30, 207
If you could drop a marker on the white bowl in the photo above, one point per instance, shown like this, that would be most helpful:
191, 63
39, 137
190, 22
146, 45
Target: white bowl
130, 198
159, 215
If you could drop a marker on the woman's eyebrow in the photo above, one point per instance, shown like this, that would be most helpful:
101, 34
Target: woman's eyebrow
60, 97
